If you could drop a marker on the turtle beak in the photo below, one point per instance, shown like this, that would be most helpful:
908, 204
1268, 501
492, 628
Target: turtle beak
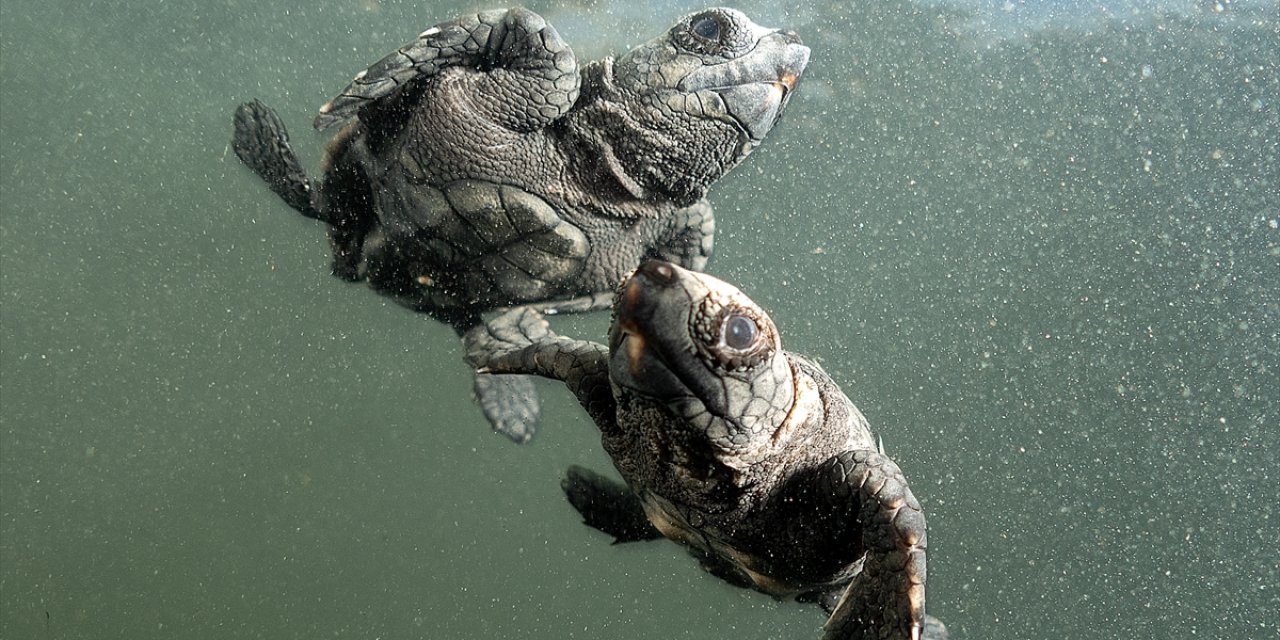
626, 336
788, 81
632, 310
776, 69
630, 338
634, 344
794, 61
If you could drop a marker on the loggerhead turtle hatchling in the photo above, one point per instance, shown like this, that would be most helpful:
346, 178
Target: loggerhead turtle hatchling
748, 455
481, 167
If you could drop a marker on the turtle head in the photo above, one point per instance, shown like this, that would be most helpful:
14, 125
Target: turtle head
717, 64
690, 104
701, 365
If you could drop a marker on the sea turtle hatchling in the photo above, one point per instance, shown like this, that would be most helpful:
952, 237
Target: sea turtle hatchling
748, 455
481, 167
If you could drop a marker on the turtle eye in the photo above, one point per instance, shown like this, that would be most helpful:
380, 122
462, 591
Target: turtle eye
707, 28
721, 33
740, 332
732, 337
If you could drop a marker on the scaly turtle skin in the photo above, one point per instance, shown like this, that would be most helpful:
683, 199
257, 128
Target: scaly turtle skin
748, 455
480, 167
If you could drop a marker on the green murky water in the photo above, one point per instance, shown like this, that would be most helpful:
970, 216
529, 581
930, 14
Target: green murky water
1037, 243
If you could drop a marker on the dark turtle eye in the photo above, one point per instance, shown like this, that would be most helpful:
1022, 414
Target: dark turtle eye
740, 332
707, 28
732, 336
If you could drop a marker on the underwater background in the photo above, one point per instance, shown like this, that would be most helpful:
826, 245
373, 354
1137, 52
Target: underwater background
1038, 243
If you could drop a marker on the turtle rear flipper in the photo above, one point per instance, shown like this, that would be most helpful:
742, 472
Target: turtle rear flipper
510, 403
526, 75
260, 141
608, 506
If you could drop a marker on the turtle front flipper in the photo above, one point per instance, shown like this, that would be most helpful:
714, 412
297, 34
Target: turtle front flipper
885, 600
527, 75
510, 402
520, 341
261, 142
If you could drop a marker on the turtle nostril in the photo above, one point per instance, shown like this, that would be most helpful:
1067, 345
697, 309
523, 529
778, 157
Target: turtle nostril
661, 272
